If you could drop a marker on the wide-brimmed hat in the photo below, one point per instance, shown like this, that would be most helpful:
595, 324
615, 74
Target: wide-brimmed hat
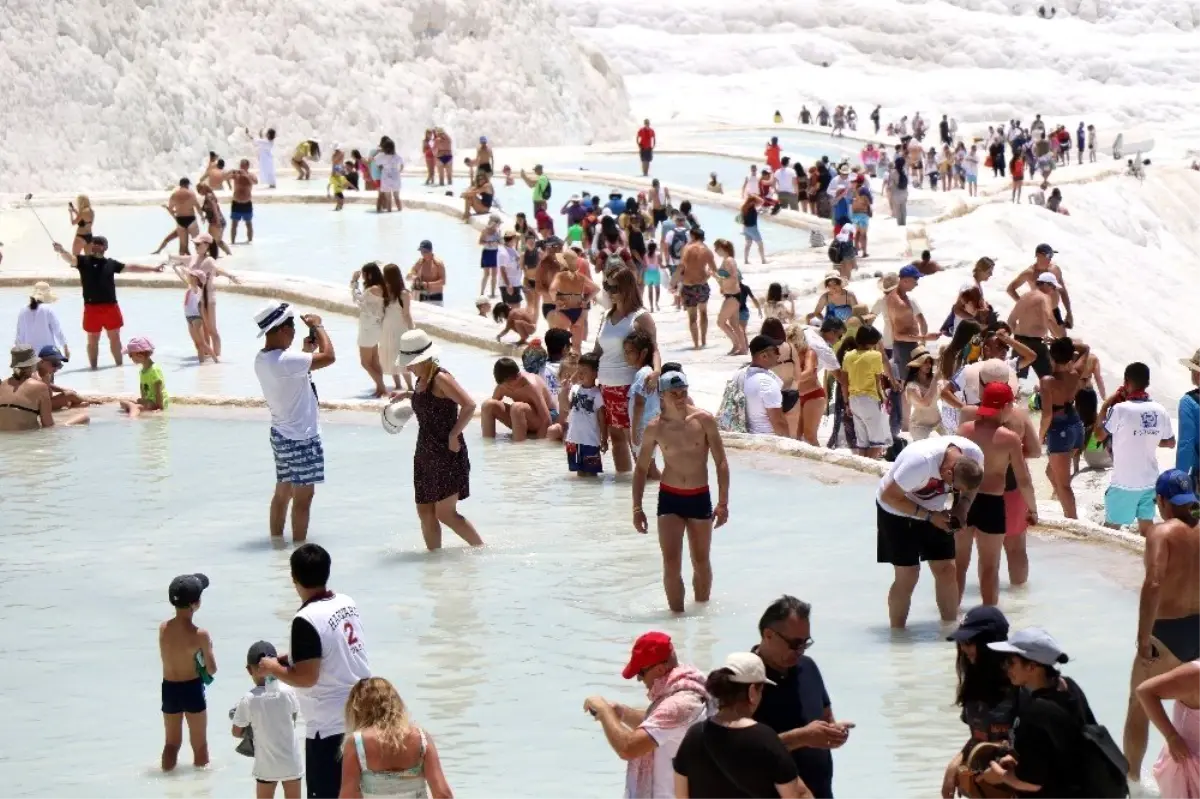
416, 347
42, 292
1192, 363
395, 415
272, 315
919, 356
863, 312
889, 282
23, 358
833, 276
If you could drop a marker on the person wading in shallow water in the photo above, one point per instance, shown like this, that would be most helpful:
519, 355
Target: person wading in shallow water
687, 435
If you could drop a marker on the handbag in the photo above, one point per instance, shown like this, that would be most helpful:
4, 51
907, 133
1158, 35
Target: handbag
982, 755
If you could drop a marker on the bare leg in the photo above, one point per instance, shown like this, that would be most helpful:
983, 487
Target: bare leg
212, 336
521, 413
963, 544
694, 326
945, 587
368, 357
621, 454
1137, 724
265, 790
181, 233
703, 313
1058, 469
811, 415
1017, 555
249, 232
279, 508
197, 724
900, 594
174, 234
291, 789
447, 514
173, 725
232, 234
114, 345
989, 546
670, 542
431, 529
302, 497
491, 412
93, 349
699, 538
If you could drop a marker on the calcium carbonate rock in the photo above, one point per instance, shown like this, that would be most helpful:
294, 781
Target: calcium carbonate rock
133, 93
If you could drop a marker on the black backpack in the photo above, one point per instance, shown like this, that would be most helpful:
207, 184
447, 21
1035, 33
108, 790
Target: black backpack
835, 252
547, 192
1101, 767
678, 242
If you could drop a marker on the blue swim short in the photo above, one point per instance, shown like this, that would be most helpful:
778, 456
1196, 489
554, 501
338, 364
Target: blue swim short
861, 221
300, 463
584, 459
183, 697
652, 277
1127, 505
487, 259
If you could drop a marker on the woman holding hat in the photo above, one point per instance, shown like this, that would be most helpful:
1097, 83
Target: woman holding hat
441, 467
987, 698
836, 300
921, 396
37, 324
731, 754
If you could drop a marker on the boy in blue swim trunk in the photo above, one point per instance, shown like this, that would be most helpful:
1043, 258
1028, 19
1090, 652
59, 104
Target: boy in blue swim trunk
188, 665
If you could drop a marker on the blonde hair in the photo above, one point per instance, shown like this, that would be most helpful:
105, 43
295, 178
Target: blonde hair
83, 203
374, 703
797, 339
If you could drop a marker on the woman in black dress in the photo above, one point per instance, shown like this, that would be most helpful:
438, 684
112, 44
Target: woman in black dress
441, 467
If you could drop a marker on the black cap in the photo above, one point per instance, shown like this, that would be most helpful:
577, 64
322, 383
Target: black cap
260, 650
185, 589
760, 343
979, 620
1045, 249
426, 245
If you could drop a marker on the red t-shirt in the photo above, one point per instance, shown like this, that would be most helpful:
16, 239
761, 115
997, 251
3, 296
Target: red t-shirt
772, 155
1018, 169
645, 138
544, 221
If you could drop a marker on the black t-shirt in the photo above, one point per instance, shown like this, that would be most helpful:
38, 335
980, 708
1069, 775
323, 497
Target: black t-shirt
96, 276
724, 763
989, 722
750, 216
1047, 736
799, 698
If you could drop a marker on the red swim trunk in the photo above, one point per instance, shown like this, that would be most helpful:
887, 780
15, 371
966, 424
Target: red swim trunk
616, 405
1016, 522
102, 317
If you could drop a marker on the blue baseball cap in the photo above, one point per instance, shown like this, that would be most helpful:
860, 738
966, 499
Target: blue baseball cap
1175, 487
978, 621
51, 353
910, 271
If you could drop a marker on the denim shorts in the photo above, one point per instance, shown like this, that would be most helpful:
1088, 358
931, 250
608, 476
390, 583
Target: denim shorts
1065, 435
752, 234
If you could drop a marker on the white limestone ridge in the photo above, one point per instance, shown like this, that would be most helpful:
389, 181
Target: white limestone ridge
133, 93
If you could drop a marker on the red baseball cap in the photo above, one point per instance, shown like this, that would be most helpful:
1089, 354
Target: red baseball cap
995, 398
649, 650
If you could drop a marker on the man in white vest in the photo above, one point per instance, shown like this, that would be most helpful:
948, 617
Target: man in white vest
328, 656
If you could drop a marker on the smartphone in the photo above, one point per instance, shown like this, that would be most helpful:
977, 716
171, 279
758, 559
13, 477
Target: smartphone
311, 339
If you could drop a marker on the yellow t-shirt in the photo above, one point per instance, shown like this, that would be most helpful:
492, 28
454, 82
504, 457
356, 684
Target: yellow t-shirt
862, 368
302, 151
338, 183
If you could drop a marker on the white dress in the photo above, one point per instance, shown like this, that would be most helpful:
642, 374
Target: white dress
390, 167
370, 317
266, 161
394, 326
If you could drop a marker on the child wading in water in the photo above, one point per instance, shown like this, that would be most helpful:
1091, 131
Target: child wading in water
338, 184
652, 277
153, 388
587, 426
643, 400
188, 665
191, 309
266, 715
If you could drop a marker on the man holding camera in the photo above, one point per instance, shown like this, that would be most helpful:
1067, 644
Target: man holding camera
286, 383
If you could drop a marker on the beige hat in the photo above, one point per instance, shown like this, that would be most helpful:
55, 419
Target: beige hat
889, 282
746, 668
1193, 363
919, 356
995, 370
864, 313
23, 358
42, 293
833, 276
415, 347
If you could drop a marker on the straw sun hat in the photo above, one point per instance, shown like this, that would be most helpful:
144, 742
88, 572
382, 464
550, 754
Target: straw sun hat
42, 292
416, 347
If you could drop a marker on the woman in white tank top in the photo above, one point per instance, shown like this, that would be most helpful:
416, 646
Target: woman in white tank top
616, 373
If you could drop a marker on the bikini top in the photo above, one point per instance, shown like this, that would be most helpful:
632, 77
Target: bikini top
409, 782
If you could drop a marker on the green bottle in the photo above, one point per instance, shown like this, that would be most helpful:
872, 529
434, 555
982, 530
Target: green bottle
201, 671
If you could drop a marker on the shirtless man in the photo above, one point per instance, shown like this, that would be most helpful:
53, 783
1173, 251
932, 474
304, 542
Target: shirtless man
187, 658
548, 267
926, 265
1030, 275
1169, 609
483, 155
50, 360
185, 206
907, 332
527, 413
686, 436
214, 174
1032, 320
696, 266
986, 518
428, 275
241, 207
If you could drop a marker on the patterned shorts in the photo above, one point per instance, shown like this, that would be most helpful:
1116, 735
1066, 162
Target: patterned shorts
616, 406
300, 463
695, 294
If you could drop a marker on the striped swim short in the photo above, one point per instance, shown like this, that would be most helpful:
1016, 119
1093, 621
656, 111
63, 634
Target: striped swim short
300, 463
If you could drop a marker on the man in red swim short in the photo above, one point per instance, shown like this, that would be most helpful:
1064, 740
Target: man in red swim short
97, 276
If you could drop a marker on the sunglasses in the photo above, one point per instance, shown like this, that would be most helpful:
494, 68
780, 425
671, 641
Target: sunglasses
642, 673
793, 643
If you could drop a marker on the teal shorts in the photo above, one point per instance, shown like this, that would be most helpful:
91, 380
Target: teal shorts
652, 278
1127, 505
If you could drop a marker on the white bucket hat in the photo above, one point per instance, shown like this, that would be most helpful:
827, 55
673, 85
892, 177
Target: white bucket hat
395, 415
42, 293
415, 347
272, 315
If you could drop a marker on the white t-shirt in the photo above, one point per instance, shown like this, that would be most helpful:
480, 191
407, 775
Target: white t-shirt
1136, 428
668, 741
270, 710
880, 311
583, 424
764, 390
826, 357
785, 180
343, 663
39, 328
284, 377
510, 263
918, 471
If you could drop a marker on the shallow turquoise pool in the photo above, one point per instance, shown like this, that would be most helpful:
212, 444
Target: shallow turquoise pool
494, 650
